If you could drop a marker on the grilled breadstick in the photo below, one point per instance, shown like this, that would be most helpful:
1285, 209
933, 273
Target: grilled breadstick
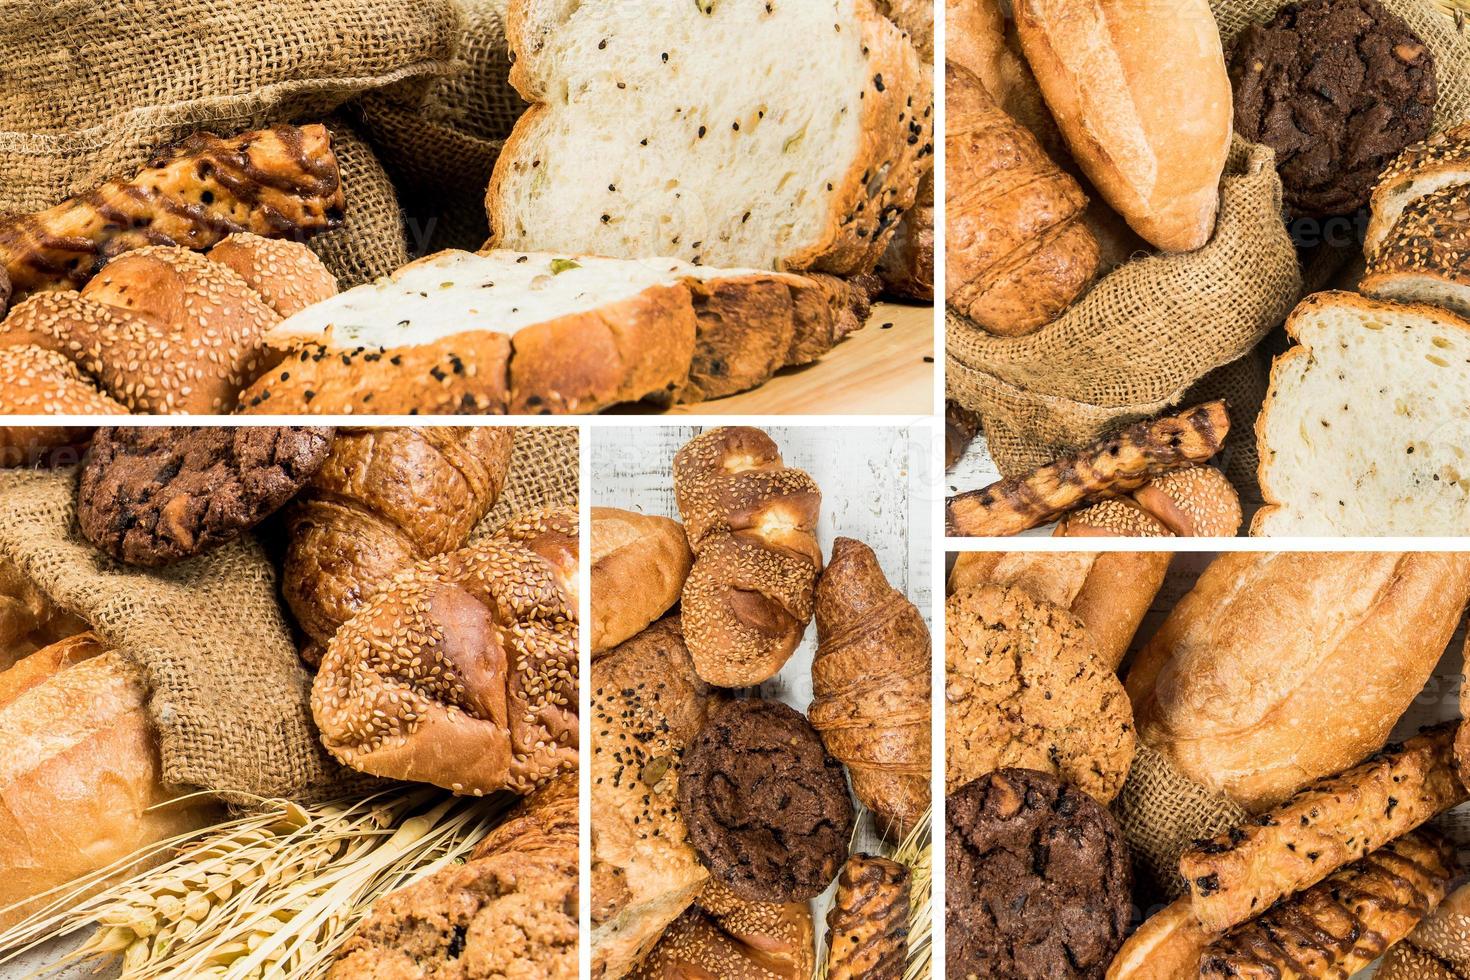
1112, 466
276, 183
1331, 823
868, 926
1345, 922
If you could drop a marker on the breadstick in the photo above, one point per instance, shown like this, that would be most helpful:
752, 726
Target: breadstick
1331, 823
1111, 466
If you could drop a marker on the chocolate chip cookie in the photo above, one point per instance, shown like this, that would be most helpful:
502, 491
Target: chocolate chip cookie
767, 808
154, 495
1337, 88
1024, 686
1037, 881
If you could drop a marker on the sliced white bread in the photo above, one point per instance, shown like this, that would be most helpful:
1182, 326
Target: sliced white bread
780, 135
1366, 428
1425, 258
537, 333
1443, 160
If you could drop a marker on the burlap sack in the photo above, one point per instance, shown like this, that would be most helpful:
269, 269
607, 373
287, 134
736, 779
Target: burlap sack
1162, 812
93, 89
441, 148
230, 696
1141, 337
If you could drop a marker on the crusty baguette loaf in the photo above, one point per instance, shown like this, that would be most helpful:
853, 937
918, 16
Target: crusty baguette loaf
167, 330
1425, 256
29, 620
639, 564
384, 499
1017, 251
1341, 925
540, 333
1363, 429
1144, 101
1166, 947
1442, 160
1332, 823
751, 522
462, 672
806, 163
1116, 464
1238, 673
1110, 592
647, 705
79, 770
280, 182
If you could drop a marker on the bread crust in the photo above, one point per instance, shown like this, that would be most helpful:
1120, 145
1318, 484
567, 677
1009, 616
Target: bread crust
1260, 524
1332, 823
896, 148
1237, 674
1166, 947
639, 564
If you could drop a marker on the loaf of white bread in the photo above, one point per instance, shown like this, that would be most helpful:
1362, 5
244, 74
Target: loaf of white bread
734, 132
534, 333
79, 771
1364, 429
1232, 687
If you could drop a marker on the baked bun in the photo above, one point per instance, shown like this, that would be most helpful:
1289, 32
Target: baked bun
639, 564
462, 672
730, 938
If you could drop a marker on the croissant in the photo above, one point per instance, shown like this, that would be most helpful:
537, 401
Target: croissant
750, 520
463, 671
868, 926
384, 499
1018, 252
870, 682
510, 910
279, 182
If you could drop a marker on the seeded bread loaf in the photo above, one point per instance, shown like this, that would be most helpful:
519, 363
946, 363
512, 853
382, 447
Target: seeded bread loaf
738, 132
1442, 160
1333, 822
462, 672
1425, 256
540, 333
647, 705
1363, 429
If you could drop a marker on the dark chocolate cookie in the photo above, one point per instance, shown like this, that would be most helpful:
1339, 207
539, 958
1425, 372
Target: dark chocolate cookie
1337, 88
154, 495
1037, 880
767, 808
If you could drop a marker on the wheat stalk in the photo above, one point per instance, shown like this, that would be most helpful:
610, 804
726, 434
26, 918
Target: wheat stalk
269, 895
1458, 9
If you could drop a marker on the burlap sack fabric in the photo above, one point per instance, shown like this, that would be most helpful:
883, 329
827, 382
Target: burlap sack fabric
93, 89
1139, 341
230, 696
442, 148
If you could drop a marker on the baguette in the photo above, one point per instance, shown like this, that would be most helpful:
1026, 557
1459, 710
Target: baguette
1243, 664
751, 522
1341, 925
1332, 823
1110, 466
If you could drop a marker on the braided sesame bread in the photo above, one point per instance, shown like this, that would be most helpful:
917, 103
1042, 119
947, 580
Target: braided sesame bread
868, 925
725, 936
167, 330
647, 705
739, 132
751, 522
462, 672
279, 182
40, 381
1344, 923
529, 333
384, 499
1425, 256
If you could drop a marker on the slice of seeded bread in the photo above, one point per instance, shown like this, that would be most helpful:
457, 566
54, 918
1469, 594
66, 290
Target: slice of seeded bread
775, 134
536, 333
1442, 160
1366, 429
1425, 257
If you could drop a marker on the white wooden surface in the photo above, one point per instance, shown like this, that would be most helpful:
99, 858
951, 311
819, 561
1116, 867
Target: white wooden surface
875, 488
